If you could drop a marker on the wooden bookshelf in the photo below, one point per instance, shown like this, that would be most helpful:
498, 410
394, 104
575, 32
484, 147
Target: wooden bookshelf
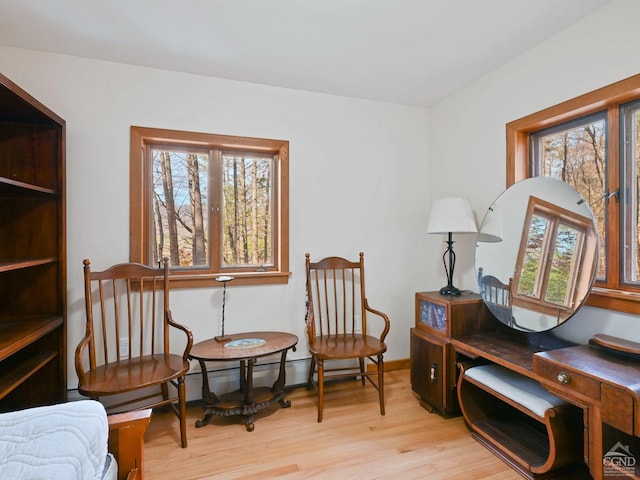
33, 263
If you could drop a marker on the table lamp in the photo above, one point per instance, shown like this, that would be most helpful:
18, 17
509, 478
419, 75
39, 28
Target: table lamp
451, 215
224, 279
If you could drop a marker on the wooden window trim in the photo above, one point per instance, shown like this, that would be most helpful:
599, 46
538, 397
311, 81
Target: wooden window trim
139, 211
517, 141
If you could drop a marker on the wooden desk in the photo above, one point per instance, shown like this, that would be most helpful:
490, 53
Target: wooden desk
607, 387
247, 400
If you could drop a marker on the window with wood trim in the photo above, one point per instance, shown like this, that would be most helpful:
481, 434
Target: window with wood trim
553, 259
214, 204
592, 143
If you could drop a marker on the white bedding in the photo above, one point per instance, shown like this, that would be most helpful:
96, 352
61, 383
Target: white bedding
63, 442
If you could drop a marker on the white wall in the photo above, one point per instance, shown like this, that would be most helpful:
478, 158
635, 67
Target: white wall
358, 182
467, 130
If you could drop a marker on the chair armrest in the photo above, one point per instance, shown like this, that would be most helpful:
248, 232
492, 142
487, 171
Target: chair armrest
80, 370
188, 333
382, 315
310, 322
126, 441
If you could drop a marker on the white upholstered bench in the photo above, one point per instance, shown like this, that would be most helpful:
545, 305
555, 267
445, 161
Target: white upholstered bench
524, 391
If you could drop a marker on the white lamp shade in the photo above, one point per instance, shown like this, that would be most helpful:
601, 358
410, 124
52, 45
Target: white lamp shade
452, 215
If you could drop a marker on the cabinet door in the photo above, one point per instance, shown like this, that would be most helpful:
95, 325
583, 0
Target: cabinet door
429, 369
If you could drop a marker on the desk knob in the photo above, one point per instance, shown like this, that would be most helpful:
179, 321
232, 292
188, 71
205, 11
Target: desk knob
564, 377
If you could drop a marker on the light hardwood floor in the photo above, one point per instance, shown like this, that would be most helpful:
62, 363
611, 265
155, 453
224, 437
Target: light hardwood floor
353, 442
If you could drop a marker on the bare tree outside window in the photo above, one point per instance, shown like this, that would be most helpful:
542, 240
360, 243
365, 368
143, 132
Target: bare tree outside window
247, 187
631, 193
180, 196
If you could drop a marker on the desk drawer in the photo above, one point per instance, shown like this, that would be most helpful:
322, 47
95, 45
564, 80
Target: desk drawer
569, 380
616, 406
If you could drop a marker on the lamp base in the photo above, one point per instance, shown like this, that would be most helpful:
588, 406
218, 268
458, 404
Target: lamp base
450, 290
222, 338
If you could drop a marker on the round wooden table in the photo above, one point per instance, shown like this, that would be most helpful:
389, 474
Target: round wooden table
246, 348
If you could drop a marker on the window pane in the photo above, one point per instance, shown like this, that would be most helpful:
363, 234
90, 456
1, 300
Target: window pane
562, 261
631, 254
248, 210
529, 284
575, 154
180, 219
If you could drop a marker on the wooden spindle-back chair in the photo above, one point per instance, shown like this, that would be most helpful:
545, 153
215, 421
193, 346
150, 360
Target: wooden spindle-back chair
126, 347
497, 296
338, 325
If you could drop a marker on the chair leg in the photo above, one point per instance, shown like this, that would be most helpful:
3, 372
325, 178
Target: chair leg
165, 391
312, 368
183, 411
320, 388
381, 383
361, 361
165, 394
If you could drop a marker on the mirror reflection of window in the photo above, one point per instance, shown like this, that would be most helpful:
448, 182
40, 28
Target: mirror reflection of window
530, 274
562, 272
553, 245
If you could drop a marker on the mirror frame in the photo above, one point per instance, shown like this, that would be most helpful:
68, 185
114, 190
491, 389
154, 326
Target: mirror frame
560, 206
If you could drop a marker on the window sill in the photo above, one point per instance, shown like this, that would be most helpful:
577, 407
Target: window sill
253, 278
620, 301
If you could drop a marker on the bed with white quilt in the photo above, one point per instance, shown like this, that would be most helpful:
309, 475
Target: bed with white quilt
67, 441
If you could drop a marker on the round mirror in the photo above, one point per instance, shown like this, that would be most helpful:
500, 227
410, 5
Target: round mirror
537, 254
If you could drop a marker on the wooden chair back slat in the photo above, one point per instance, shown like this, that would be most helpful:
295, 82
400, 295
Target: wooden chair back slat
153, 315
497, 296
103, 323
319, 322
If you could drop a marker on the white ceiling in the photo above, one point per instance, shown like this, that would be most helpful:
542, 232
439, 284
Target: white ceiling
411, 52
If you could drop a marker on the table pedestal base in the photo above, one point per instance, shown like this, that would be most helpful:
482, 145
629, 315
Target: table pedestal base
247, 400
233, 404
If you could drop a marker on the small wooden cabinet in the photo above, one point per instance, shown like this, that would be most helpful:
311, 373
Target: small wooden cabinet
32, 260
433, 362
